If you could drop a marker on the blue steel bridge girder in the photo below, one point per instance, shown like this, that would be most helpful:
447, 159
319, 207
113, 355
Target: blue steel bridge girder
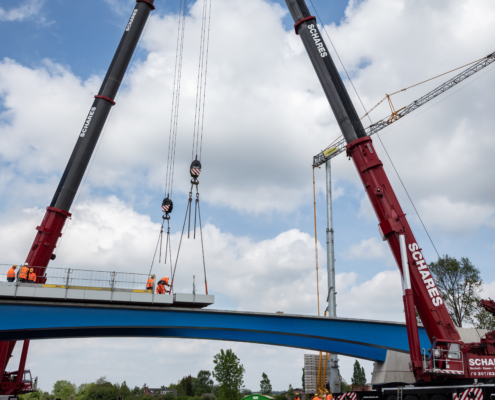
357, 338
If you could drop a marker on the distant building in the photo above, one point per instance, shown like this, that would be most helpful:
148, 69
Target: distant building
157, 391
363, 388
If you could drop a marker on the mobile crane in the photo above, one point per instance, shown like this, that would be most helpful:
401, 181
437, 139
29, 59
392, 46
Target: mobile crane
450, 367
50, 230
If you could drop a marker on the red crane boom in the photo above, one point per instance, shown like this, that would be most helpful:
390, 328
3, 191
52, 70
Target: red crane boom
50, 230
449, 358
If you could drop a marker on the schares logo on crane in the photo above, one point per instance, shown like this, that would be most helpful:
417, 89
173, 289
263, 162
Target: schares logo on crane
131, 20
318, 41
426, 275
88, 121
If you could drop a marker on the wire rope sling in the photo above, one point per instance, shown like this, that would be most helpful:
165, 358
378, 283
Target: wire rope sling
195, 167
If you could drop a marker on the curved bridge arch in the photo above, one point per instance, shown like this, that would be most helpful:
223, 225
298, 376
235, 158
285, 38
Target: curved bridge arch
353, 337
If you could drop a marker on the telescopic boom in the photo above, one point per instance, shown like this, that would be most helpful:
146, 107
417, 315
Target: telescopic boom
450, 358
50, 230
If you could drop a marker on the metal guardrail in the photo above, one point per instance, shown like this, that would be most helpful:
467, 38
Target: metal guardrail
81, 278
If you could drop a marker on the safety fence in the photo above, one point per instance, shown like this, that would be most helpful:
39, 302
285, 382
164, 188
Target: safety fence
85, 278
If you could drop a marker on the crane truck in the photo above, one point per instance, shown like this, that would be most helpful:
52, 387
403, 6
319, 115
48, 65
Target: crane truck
450, 368
42, 250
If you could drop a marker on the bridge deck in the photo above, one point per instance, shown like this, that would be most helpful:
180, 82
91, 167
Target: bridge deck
102, 295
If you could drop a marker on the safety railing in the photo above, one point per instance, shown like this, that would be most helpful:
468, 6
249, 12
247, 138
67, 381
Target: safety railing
442, 361
82, 278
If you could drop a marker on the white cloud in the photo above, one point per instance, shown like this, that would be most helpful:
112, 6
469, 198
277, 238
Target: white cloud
29, 9
379, 298
266, 115
456, 217
368, 249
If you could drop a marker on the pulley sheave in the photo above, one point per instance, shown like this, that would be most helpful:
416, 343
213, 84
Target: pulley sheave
195, 168
167, 205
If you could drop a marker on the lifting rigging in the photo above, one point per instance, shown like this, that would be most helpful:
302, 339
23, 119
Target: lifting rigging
195, 167
449, 360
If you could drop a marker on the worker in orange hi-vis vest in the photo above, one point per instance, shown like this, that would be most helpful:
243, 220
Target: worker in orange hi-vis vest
329, 396
11, 274
32, 276
316, 397
297, 397
23, 274
149, 284
162, 286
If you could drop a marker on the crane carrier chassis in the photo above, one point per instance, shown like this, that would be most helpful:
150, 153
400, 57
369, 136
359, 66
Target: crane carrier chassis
400, 391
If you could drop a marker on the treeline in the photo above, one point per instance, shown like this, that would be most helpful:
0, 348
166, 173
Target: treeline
228, 372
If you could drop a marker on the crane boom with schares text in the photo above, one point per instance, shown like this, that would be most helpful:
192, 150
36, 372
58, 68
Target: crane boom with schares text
50, 230
449, 359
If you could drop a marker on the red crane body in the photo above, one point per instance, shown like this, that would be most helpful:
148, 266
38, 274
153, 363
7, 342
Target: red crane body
50, 230
449, 358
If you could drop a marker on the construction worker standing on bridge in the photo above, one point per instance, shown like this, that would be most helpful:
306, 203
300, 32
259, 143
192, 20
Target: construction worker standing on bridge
162, 284
23, 274
329, 396
32, 276
150, 283
297, 397
11, 274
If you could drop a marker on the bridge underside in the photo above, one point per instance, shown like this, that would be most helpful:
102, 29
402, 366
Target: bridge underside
49, 320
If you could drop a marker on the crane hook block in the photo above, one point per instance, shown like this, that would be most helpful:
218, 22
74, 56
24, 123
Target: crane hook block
195, 168
167, 205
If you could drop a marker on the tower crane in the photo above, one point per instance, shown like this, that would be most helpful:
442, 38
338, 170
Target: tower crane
339, 147
451, 364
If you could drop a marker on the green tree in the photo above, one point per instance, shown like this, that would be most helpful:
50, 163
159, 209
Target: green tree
290, 393
358, 375
185, 387
483, 319
265, 384
344, 386
229, 372
246, 392
205, 381
63, 389
124, 390
460, 284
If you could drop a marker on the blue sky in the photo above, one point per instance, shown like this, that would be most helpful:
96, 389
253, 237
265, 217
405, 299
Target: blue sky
266, 117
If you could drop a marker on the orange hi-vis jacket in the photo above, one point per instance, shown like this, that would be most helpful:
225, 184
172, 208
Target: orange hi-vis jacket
11, 273
165, 280
24, 273
160, 289
329, 397
149, 284
32, 277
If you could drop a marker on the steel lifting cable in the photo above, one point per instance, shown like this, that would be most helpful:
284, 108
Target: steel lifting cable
174, 114
383, 145
167, 204
199, 111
